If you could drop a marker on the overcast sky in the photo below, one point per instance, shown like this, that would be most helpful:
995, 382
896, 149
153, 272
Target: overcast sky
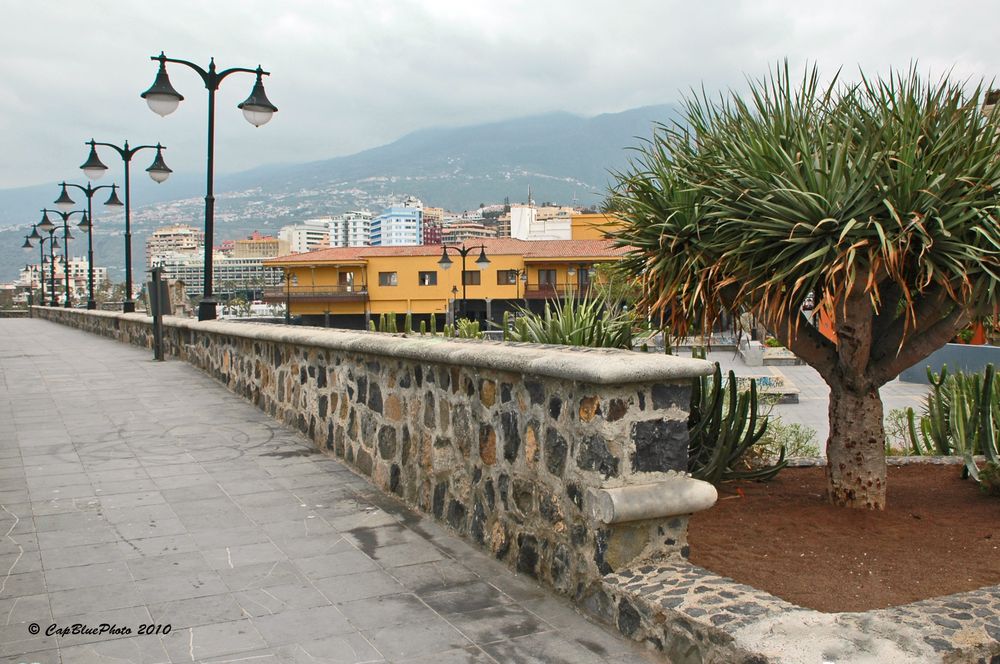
353, 74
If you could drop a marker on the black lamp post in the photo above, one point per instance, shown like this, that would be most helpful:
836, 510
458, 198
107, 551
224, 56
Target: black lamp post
482, 262
94, 168
53, 244
163, 99
290, 280
27, 246
65, 203
520, 277
45, 224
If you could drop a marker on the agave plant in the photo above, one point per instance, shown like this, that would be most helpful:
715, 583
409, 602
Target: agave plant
588, 321
879, 197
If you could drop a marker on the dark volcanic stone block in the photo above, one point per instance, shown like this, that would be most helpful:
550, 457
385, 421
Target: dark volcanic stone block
556, 449
665, 396
595, 455
660, 445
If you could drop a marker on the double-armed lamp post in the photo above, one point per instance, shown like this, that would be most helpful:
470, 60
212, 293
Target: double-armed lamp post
53, 245
163, 99
65, 203
94, 168
46, 226
445, 262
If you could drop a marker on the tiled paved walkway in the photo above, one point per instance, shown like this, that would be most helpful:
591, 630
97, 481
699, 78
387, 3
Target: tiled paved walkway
139, 493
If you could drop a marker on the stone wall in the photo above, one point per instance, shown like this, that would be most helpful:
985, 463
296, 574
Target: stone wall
511, 445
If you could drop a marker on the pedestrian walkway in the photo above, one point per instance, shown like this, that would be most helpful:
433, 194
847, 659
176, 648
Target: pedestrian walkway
147, 497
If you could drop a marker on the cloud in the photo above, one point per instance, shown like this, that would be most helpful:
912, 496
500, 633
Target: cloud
351, 75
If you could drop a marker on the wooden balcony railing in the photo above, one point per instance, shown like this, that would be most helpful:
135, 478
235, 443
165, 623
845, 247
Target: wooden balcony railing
315, 293
551, 291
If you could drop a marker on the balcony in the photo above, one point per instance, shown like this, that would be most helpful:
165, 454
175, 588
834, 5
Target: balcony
553, 291
278, 294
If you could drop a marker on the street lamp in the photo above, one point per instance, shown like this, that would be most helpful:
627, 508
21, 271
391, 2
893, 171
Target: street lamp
445, 262
53, 245
163, 100
290, 281
47, 226
64, 203
521, 277
94, 169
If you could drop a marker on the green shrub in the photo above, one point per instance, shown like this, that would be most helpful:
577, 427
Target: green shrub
989, 479
897, 433
796, 440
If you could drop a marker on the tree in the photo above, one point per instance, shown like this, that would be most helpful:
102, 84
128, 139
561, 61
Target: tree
878, 198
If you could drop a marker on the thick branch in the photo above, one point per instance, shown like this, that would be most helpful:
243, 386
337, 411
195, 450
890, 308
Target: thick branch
806, 341
890, 294
927, 311
853, 313
919, 346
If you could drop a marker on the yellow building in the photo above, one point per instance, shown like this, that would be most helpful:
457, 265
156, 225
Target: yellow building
346, 286
593, 226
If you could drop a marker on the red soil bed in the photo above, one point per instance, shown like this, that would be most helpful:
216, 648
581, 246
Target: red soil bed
938, 535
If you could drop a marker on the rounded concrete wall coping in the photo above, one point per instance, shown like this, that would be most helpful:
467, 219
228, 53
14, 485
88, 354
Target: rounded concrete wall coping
639, 502
601, 366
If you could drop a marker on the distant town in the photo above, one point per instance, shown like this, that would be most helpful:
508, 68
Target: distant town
243, 269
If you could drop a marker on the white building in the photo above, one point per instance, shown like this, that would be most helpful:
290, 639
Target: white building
525, 224
351, 229
78, 277
177, 239
310, 235
230, 275
399, 225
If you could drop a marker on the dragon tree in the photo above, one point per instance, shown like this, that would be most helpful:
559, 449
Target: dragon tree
877, 200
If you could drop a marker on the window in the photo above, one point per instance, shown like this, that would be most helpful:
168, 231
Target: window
547, 277
471, 277
388, 279
427, 278
506, 277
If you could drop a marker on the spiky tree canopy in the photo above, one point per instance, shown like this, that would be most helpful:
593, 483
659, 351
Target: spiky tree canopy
879, 197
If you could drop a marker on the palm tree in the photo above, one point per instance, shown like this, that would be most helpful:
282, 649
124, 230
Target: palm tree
878, 198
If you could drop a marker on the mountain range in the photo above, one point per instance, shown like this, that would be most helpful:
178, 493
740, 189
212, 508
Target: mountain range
561, 157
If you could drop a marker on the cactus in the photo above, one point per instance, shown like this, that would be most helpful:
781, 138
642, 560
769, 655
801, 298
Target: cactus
371, 326
449, 330
423, 327
961, 416
434, 325
506, 326
381, 323
722, 426
392, 322
408, 323
469, 329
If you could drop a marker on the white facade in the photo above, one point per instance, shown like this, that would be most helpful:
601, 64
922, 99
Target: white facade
310, 235
525, 225
230, 275
351, 229
177, 239
399, 225
32, 275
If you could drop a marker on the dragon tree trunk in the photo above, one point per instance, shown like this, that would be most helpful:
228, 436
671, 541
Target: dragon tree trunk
856, 449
